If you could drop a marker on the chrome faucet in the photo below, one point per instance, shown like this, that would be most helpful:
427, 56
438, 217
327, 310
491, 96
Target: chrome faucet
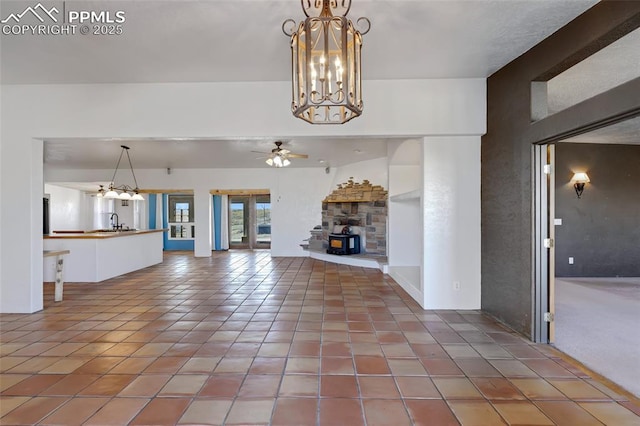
116, 226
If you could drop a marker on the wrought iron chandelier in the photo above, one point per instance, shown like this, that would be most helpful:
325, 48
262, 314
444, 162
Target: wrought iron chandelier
126, 192
325, 53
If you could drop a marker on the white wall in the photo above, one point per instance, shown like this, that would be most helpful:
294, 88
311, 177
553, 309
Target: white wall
68, 208
405, 238
125, 213
376, 171
405, 166
30, 113
451, 220
404, 179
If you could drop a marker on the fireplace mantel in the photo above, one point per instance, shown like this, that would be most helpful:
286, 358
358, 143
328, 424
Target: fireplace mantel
346, 200
354, 192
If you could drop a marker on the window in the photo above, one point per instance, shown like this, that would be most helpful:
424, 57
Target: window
102, 210
180, 208
181, 217
263, 220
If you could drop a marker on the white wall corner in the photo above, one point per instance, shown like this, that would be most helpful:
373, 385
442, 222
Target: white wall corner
452, 222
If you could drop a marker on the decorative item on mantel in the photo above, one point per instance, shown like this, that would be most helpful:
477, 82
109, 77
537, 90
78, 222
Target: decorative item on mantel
353, 192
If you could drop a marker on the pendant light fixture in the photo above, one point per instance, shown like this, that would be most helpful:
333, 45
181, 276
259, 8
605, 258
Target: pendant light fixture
325, 53
126, 192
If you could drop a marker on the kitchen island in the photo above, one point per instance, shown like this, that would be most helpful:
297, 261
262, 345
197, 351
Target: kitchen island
98, 256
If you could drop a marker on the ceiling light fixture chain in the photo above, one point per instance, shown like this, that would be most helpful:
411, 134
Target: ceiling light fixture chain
113, 178
326, 62
135, 181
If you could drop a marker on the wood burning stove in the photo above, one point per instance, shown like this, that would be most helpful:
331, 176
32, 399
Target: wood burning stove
344, 244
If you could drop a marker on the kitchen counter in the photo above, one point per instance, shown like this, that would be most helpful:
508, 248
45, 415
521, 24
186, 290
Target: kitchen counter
99, 234
98, 256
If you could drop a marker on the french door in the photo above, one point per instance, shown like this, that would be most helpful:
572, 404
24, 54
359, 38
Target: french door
249, 221
544, 241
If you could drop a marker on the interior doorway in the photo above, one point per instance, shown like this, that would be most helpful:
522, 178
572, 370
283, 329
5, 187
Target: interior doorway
597, 274
250, 221
587, 278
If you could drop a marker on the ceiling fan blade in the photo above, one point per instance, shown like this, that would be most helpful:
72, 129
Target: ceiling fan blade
261, 152
291, 155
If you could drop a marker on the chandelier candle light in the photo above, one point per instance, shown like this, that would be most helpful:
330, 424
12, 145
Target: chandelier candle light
325, 53
126, 192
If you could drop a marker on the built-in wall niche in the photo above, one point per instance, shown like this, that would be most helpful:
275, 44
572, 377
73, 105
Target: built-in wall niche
405, 216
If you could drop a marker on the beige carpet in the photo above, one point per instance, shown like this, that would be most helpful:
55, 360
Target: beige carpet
598, 323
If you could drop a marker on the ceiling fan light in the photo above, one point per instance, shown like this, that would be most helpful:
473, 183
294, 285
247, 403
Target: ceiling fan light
279, 157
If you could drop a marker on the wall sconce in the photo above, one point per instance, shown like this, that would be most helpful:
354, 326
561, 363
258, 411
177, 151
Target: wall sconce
579, 179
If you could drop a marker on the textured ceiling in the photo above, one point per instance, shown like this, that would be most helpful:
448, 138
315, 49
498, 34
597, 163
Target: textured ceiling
242, 40
612, 66
625, 133
177, 154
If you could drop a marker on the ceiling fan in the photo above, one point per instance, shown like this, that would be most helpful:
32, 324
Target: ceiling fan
279, 157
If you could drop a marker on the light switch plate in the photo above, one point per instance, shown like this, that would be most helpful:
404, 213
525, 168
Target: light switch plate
557, 222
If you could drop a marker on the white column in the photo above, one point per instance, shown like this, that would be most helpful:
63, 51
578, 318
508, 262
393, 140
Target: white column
22, 190
202, 200
451, 222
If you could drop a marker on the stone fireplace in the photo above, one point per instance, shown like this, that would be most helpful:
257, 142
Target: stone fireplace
362, 208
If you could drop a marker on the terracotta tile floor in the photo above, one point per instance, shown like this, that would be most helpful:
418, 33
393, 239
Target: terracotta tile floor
243, 338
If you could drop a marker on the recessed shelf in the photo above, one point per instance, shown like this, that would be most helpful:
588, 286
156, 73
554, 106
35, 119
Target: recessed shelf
406, 196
